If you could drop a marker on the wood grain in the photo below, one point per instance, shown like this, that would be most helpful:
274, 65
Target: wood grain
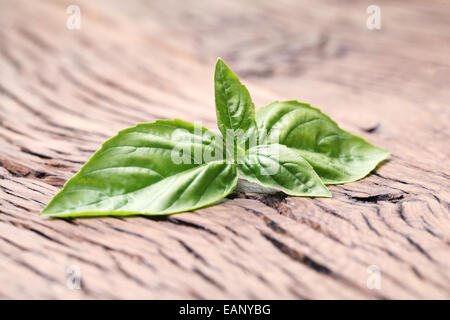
63, 92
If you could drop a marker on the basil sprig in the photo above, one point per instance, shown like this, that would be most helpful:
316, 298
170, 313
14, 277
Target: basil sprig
171, 166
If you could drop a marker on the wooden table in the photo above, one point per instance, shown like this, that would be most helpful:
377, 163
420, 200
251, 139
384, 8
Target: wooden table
63, 92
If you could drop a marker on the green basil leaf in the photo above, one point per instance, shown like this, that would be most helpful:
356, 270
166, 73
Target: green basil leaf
279, 167
336, 155
163, 167
234, 107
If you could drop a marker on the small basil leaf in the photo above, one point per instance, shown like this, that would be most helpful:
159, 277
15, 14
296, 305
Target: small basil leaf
234, 107
336, 155
279, 167
163, 167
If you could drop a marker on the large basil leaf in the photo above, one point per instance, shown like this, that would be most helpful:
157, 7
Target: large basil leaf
234, 107
279, 167
336, 155
163, 167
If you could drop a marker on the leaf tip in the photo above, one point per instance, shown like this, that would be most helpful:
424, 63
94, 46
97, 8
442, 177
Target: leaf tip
219, 61
46, 212
222, 70
322, 192
327, 194
386, 153
220, 66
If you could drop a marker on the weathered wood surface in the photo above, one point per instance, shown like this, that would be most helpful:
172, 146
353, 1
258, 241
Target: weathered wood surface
63, 92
